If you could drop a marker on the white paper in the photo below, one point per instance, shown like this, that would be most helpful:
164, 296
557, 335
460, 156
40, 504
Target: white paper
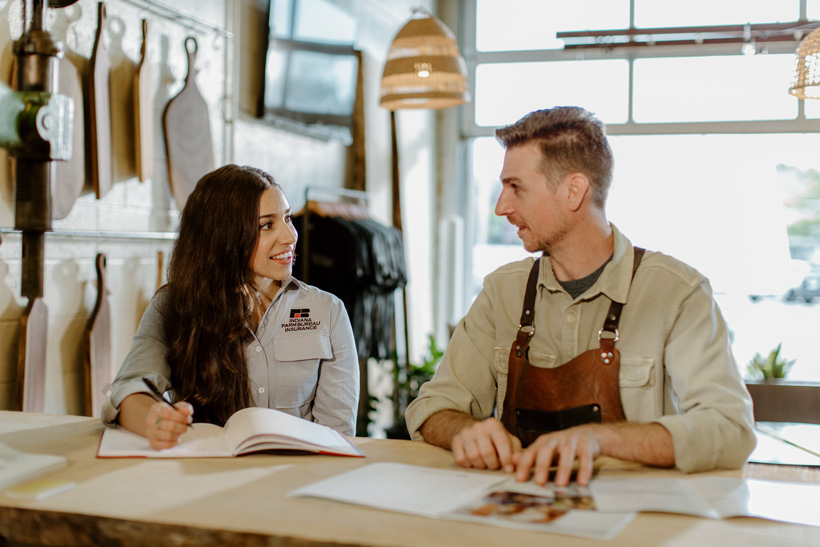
16, 467
403, 488
491, 498
712, 497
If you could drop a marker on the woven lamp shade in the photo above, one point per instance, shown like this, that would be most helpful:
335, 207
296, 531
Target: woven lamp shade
805, 82
424, 67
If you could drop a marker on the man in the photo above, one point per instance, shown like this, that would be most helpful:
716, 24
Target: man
674, 397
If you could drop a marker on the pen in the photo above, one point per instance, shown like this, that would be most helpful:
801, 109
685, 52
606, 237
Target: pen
157, 396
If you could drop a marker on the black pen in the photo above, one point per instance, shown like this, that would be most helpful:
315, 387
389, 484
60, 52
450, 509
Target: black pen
157, 396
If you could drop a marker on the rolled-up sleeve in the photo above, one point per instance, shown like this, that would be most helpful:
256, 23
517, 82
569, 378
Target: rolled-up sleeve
714, 427
148, 358
466, 377
337, 393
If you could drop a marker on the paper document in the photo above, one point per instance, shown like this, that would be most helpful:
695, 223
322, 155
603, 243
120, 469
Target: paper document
492, 498
16, 467
711, 497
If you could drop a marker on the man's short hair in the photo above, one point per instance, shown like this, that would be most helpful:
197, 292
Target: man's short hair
571, 140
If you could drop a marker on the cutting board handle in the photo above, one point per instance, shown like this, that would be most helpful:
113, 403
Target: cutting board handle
100, 21
191, 47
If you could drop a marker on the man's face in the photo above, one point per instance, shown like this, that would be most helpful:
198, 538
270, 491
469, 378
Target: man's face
527, 201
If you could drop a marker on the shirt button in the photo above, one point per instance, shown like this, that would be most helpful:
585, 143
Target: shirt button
258, 349
261, 390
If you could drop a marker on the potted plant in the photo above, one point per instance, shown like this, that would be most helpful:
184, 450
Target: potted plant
407, 383
777, 399
771, 367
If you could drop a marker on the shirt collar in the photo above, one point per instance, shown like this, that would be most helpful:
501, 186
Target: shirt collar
615, 280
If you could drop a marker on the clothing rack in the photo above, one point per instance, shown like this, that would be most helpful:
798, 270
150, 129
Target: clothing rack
315, 207
334, 192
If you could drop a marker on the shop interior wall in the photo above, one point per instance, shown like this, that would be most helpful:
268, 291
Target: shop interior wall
229, 41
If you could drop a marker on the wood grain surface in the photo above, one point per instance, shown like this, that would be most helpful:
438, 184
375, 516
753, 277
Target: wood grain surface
100, 111
97, 345
31, 357
244, 501
187, 127
69, 176
144, 110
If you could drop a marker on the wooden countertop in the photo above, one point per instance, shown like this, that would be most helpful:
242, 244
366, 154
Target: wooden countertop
242, 501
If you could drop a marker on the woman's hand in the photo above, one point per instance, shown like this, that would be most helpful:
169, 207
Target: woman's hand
161, 423
165, 424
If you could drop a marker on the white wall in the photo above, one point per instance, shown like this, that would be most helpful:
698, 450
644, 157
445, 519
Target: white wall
295, 160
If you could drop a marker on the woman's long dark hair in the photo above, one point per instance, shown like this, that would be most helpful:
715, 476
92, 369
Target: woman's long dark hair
209, 290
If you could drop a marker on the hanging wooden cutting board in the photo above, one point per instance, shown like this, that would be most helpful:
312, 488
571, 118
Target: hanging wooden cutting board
31, 357
187, 127
100, 111
69, 177
144, 111
97, 346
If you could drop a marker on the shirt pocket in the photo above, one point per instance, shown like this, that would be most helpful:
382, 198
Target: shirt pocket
299, 359
638, 388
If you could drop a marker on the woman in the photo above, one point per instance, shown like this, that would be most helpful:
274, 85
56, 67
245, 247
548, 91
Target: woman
232, 328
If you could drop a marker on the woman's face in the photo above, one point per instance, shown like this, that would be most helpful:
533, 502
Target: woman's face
273, 256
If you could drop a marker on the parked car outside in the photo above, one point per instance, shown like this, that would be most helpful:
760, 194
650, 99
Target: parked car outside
809, 288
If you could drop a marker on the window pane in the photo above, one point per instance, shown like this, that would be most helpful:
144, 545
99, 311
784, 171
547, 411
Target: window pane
531, 24
322, 21
674, 13
281, 17
725, 88
743, 210
505, 92
813, 9
321, 83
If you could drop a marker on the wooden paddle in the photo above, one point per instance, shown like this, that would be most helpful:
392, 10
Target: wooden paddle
144, 110
187, 134
31, 357
100, 111
69, 176
97, 346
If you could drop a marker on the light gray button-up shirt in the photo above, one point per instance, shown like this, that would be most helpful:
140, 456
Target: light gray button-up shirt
301, 360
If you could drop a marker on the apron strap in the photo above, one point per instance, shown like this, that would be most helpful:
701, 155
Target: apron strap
615, 309
613, 317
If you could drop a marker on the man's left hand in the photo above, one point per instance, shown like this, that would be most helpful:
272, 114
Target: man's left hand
580, 443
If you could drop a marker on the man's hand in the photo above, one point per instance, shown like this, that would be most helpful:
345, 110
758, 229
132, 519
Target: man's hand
486, 445
650, 444
578, 443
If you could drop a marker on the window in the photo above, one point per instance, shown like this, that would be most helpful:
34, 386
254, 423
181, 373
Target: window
311, 68
715, 163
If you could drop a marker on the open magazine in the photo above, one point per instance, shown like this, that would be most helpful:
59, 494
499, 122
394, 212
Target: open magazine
249, 430
493, 498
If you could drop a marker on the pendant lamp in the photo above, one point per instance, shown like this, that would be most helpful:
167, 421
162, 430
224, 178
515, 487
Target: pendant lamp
424, 67
805, 83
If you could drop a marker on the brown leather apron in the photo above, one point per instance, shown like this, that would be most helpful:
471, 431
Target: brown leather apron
583, 390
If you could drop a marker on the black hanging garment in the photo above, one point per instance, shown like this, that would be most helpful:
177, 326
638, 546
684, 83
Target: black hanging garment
362, 262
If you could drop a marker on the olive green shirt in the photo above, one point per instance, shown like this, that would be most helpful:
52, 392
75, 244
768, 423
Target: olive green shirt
677, 367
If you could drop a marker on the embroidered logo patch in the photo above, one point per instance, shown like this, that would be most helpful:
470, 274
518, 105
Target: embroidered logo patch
300, 320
